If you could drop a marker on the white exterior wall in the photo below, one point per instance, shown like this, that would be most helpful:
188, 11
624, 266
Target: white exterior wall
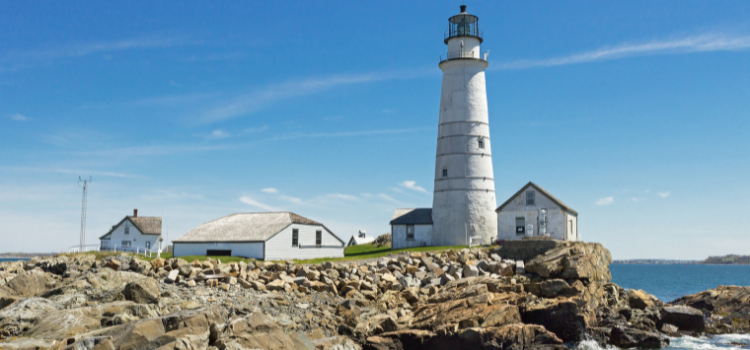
422, 236
135, 237
465, 199
557, 218
471, 46
279, 247
252, 250
573, 229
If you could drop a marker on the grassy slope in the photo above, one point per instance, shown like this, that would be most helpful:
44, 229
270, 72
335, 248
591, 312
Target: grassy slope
358, 252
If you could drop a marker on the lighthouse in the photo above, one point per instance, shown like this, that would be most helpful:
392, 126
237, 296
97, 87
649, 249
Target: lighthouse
463, 204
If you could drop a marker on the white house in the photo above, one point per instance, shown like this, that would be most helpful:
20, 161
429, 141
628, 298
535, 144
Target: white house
263, 236
411, 228
133, 233
360, 238
532, 211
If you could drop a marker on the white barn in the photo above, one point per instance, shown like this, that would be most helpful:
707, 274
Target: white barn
532, 211
360, 238
411, 228
133, 233
263, 236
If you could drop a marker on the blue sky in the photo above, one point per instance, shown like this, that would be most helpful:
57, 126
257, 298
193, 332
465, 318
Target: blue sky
636, 114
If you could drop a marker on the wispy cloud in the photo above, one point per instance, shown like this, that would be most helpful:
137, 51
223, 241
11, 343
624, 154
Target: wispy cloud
84, 49
270, 190
19, 117
80, 172
294, 200
252, 102
249, 201
219, 134
664, 194
709, 42
386, 197
302, 135
605, 201
342, 196
412, 185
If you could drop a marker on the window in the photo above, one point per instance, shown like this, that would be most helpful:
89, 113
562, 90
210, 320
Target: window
571, 227
148, 245
445, 172
520, 226
127, 229
126, 243
409, 232
318, 238
481, 142
295, 237
529, 197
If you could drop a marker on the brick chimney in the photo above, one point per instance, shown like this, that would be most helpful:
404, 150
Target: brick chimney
135, 213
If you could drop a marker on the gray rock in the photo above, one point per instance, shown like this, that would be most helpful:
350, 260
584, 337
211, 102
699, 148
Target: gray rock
471, 271
172, 276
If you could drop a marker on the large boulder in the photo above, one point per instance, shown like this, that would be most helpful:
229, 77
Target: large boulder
23, 314
572, 260
566, 318
639, 299
626, 338
27, 284
142, 292
508, 337
729, 307
684, 317
256, 331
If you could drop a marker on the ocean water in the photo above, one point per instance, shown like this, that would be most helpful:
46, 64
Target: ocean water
13, 259
669, 282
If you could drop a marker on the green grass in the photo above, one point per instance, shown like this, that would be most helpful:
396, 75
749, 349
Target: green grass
375, 252
364, 249
353, 253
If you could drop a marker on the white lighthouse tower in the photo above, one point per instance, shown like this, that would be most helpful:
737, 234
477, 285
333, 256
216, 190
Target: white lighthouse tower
463, 205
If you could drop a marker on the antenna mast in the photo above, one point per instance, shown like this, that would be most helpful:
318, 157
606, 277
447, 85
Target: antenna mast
84, 200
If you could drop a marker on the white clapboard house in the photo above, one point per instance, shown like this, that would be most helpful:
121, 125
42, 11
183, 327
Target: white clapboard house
532, 211
133, 233
263, 236
411, 228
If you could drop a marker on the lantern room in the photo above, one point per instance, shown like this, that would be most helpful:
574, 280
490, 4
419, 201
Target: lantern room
463, 24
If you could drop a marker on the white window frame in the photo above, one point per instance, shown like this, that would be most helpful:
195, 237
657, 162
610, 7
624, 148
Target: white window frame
295, 237
410, 229
533, 197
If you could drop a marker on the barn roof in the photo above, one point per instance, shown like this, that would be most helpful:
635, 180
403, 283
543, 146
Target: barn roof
418, 216
245, 227
361, 240
148, 225
544, 192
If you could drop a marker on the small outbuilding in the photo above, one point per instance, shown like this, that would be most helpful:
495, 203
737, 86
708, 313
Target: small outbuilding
411, 228
133, 233
532, 211
263, 236
360, 238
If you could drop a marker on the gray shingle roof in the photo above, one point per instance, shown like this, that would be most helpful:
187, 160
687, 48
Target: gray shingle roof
244, 227
148, 225
544, 192
418, 216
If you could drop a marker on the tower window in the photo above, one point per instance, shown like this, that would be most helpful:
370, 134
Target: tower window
481, 143
529, 197
295, 237
445, 172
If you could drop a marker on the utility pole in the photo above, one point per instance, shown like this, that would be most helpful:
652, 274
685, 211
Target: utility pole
85, 187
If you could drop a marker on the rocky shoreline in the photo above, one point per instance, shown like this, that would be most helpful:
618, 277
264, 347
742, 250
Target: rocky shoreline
528, 294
